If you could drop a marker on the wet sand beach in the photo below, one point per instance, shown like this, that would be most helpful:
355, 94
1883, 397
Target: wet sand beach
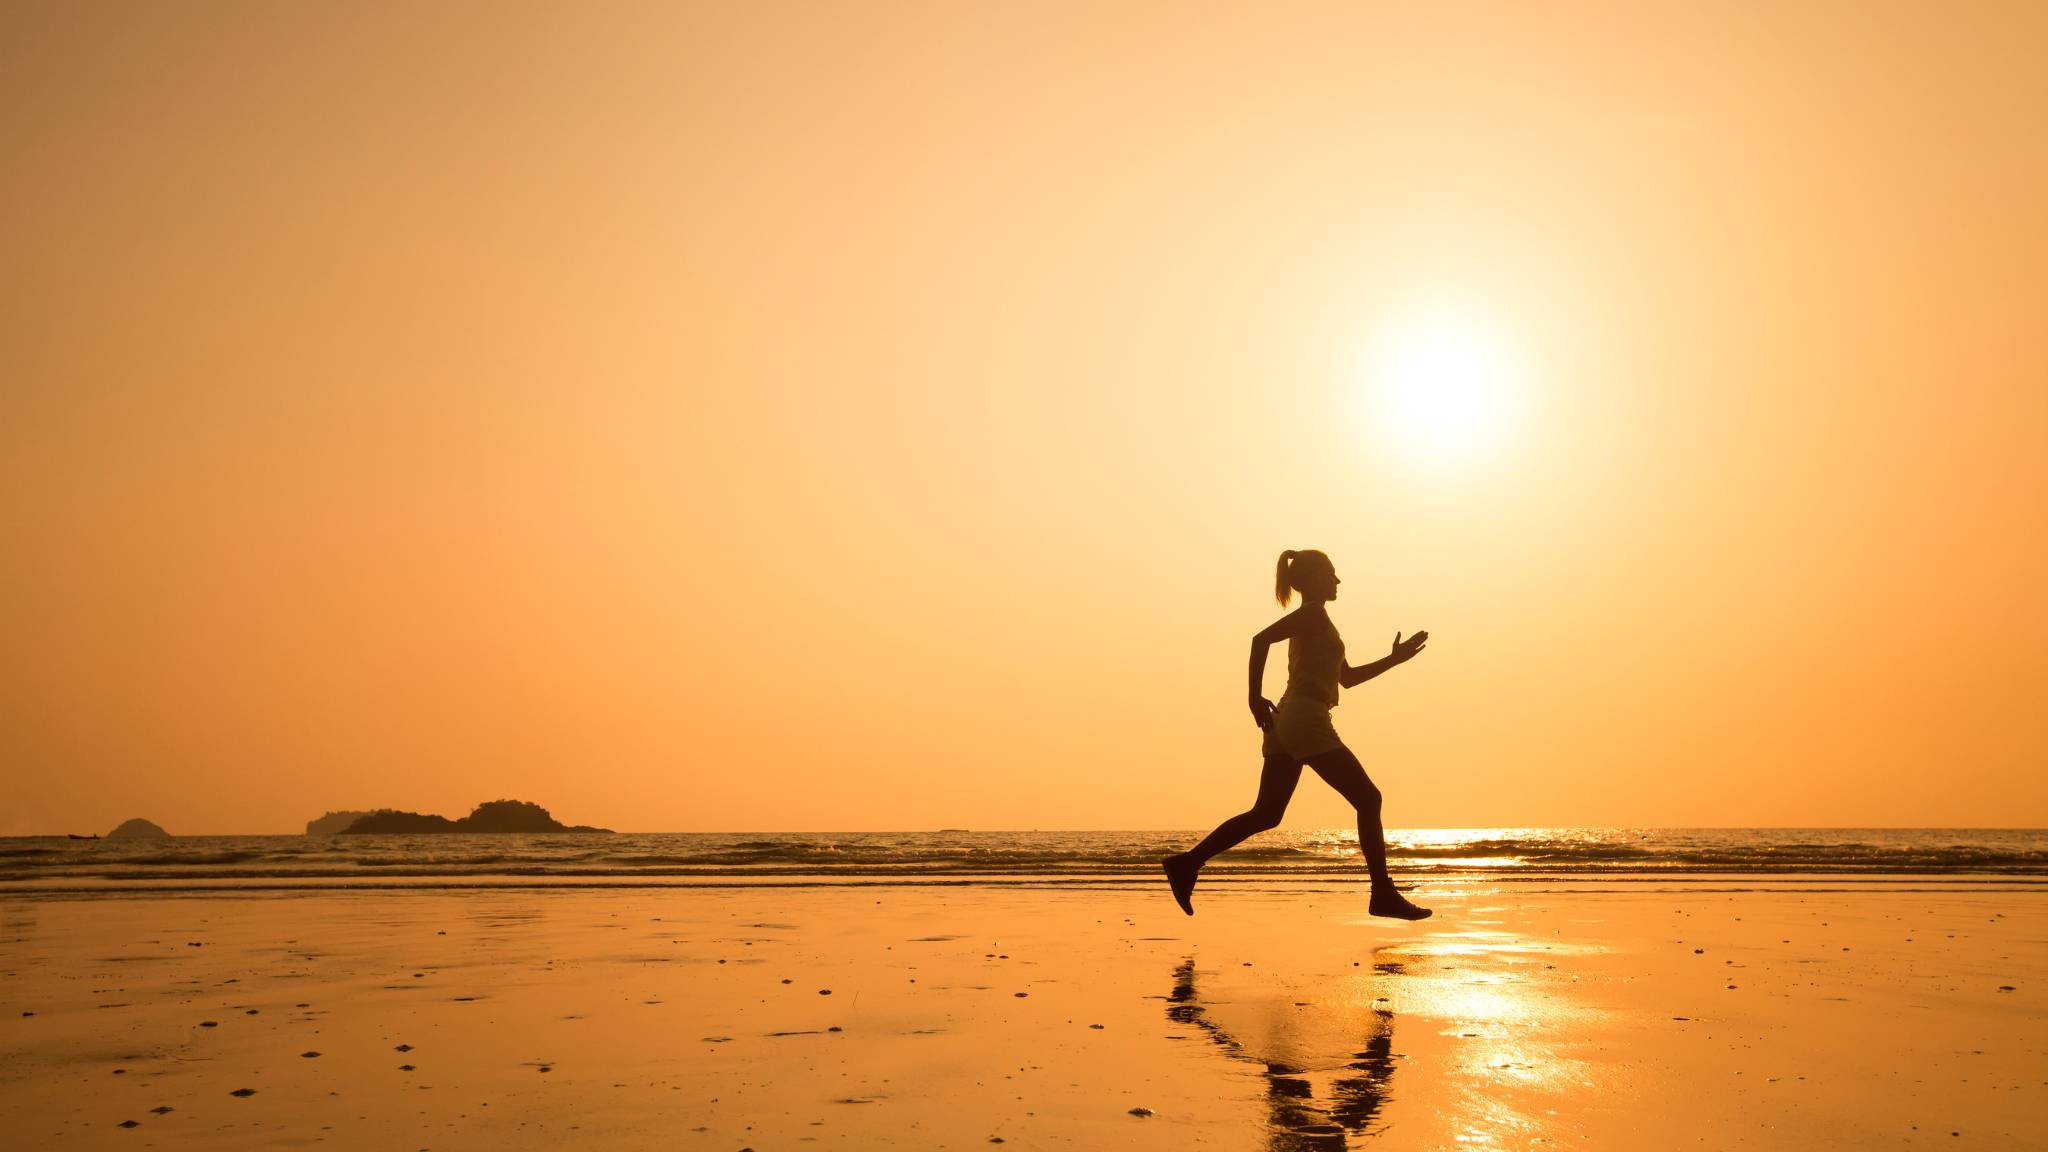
935, 1017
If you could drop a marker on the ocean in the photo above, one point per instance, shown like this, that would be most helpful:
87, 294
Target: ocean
1730, 858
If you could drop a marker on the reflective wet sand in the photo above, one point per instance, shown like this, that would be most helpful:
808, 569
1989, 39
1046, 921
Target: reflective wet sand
954, 1017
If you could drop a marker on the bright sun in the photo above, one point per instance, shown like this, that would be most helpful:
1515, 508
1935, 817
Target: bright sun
1441, 383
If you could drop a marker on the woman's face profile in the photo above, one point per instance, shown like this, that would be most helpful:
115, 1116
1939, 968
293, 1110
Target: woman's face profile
1320, 583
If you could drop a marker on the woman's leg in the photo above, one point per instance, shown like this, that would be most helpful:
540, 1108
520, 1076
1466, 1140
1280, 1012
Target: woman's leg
1276, 787
1343, 772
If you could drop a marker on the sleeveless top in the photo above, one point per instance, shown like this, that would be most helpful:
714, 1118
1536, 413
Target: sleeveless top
1315, 659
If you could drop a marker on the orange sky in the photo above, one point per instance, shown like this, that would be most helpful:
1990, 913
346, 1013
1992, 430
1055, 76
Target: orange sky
880, 417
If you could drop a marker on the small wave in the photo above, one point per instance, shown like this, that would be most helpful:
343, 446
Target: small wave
926, 856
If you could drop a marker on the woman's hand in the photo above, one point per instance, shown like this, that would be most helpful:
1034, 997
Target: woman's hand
1406, 649
1262, 711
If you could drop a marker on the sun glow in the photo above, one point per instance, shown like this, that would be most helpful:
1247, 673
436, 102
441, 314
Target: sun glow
1441, 386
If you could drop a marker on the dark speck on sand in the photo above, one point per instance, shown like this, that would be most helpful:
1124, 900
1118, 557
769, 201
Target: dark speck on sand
243, 1092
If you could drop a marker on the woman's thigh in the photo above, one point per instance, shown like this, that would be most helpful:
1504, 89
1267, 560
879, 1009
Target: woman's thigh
1342, 771
1276, 784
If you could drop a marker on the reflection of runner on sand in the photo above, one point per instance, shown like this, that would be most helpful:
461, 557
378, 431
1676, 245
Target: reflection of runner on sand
1316, 1099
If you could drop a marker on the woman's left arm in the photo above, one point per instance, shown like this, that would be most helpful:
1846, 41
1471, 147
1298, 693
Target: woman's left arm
1403, 651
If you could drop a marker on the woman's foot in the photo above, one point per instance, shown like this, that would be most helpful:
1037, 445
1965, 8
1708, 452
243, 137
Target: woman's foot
1388, 901
1181, 875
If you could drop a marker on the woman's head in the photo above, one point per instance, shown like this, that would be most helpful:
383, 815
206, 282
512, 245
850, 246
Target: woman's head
1308, 572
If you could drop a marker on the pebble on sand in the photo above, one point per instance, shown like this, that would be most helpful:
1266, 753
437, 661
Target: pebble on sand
403, 1048
131, 1124
308, 1055
243, 1092
824, 991
1142, 1111
209, 1023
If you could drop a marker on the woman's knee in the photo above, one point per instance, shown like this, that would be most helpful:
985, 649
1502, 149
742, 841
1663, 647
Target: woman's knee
1366, 798
1265, 818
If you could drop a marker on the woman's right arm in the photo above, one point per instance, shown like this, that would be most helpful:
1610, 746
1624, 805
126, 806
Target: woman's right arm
1281, 629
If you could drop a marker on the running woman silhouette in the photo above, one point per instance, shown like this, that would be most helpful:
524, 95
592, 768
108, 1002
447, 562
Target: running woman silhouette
1299, 732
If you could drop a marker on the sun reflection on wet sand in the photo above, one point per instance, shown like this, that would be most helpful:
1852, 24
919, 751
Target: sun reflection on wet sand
1512, 1021
1499, 1060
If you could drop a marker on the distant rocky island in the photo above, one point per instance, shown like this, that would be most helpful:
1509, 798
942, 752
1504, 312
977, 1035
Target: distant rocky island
335, 822
135, 829
493, 816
